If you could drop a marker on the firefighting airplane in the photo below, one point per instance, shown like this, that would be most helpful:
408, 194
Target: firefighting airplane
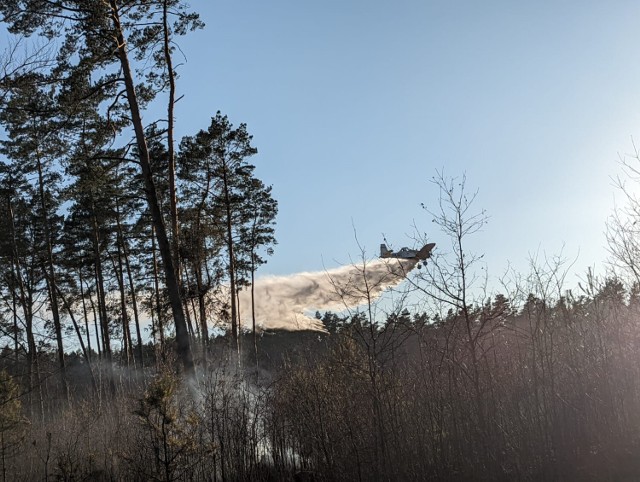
406, 253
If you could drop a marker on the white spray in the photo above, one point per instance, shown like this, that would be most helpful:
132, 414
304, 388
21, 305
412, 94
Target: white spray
285, 302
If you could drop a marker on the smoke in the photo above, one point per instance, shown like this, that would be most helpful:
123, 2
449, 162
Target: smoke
284, 302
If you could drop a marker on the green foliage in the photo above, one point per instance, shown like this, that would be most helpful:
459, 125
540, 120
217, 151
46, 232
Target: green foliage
170, 433
12, 422
226, 209
10, 406
222, 187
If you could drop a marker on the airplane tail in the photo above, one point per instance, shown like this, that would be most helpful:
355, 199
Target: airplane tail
384, 251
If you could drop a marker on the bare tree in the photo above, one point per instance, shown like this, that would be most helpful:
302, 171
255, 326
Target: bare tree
623, 226
455, 282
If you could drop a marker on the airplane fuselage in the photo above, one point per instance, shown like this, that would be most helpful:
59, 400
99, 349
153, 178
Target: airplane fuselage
406, 253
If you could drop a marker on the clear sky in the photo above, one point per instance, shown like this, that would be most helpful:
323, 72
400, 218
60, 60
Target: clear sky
354, 105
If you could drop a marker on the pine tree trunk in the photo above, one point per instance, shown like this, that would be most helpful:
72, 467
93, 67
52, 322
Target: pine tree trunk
26, 299
134, 302
232, 268
156, 287
51, 281
80, 340
85, 312
173, 195
204, 330
102, 303
126, 332
253, 312
96, 317
199, 262
182, 336
119, 271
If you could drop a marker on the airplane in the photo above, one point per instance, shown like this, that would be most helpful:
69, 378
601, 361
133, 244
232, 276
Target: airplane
406, 253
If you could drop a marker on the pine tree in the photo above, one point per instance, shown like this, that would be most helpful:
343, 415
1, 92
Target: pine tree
34, 145
102, 41
239, 207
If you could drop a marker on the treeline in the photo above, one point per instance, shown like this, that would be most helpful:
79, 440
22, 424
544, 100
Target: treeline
548, 389
545, 390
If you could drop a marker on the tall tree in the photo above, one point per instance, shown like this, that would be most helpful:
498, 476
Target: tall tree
257, 233
105, 39
456, 283
20, 269
239, 205
34, 145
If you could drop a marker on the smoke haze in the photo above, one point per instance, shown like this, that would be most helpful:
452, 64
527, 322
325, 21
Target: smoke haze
284, 302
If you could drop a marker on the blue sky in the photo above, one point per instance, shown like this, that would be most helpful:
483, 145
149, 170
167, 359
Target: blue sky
354, 105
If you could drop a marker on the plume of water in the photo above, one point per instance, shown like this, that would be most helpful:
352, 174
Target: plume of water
285, 302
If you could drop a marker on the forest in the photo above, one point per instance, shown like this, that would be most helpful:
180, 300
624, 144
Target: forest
126, 354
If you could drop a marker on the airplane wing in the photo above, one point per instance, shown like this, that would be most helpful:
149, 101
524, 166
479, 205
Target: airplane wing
425, 252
